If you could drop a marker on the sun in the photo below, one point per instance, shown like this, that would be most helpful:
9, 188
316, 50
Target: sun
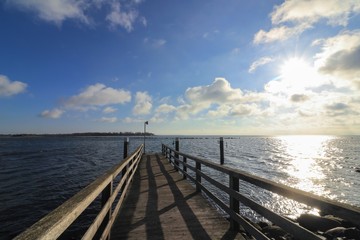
297, 74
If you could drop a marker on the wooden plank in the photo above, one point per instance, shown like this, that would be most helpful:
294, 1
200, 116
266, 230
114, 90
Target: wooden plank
162, 205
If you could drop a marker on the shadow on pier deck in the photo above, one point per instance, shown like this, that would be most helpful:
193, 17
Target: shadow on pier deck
161, 205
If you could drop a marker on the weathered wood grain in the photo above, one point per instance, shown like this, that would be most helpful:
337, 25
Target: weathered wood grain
162, 205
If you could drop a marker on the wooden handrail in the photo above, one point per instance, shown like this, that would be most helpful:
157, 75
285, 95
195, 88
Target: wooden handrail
56, 222
342, 210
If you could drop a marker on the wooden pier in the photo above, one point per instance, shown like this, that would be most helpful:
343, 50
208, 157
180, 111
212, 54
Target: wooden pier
163, 205
150, 197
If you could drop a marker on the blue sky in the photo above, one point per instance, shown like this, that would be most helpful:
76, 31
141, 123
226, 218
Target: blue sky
187, 67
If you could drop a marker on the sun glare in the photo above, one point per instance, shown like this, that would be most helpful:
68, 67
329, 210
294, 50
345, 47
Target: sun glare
297, 74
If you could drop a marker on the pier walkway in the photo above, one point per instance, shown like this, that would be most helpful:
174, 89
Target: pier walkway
144, 197
160, 204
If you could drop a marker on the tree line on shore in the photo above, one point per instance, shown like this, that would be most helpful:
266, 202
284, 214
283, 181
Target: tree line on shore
85, 134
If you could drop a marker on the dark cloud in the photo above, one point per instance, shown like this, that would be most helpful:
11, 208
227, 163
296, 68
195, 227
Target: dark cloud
299, 98
337, 106
344, 61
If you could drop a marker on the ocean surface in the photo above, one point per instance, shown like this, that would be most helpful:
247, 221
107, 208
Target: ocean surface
37, 174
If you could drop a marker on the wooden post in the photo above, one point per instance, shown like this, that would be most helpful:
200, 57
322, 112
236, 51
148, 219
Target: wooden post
176, 155
234, 204
123, 172
198, 177
105, 195
170, 155
184, 167
221, 150
126, 147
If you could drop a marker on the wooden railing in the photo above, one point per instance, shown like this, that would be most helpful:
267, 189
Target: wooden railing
55, 223
179, 159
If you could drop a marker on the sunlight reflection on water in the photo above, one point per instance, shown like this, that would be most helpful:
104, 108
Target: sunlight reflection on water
305, 154
304, 161
322, 165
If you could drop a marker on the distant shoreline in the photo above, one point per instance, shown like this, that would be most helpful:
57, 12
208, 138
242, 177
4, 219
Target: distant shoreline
86, 134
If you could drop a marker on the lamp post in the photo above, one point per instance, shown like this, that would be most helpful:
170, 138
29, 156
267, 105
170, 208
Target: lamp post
145, 123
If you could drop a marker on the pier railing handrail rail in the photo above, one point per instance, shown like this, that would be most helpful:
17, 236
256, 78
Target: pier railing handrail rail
56, 222
342, 210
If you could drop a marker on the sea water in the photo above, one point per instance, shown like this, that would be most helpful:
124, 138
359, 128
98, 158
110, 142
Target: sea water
37, 174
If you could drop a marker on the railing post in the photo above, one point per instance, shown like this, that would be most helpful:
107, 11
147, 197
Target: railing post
105, 195
198, 177
126, 147
221, 150
234, 204
123, 172
170, 155
176, 165
184, 167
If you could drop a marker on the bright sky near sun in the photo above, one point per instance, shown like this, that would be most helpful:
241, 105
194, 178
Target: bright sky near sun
187, 67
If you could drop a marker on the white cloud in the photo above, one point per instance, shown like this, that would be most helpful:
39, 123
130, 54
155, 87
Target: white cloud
260, 62
204, 98
291, 18
137, 1
143, 21
118, 13
155, 43
279, 33
340, 57
109, 110
118, 17
165, 108
159, 43
287, 104
243, 109
98, 95
162, 112
337, 12
91, 98
108, 119
143, 103
9, 88
54, 113
55, 11
221, 111
219, 92
235, 51
133, 120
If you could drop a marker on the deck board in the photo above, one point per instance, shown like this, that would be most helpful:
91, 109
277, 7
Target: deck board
161, 205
